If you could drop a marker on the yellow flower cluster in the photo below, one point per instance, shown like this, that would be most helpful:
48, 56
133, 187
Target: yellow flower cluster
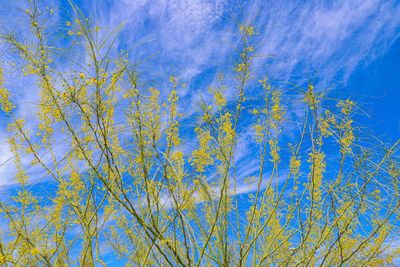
15, 148
348, 136
5, 103
294, 165
154, 114
247, 30
178, 162
201, 157
346, 106
310, 97
317, 170
241, 68
220, 100
2, 259
173, 129
259, 129
276, 112
25, 198
227, 132
326, 123
274, 150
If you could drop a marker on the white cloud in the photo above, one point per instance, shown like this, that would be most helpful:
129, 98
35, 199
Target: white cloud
332, 38
180, 32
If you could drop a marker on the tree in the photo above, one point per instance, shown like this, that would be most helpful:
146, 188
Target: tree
124, 181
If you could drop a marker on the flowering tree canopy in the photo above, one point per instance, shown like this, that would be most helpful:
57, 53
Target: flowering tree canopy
131, 170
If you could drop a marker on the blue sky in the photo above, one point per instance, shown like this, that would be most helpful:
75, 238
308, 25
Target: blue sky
349, 48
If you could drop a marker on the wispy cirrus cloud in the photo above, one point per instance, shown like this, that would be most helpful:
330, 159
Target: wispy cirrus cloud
329, 39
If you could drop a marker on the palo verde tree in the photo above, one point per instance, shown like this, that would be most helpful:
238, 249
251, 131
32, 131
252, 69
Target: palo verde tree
126, 183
